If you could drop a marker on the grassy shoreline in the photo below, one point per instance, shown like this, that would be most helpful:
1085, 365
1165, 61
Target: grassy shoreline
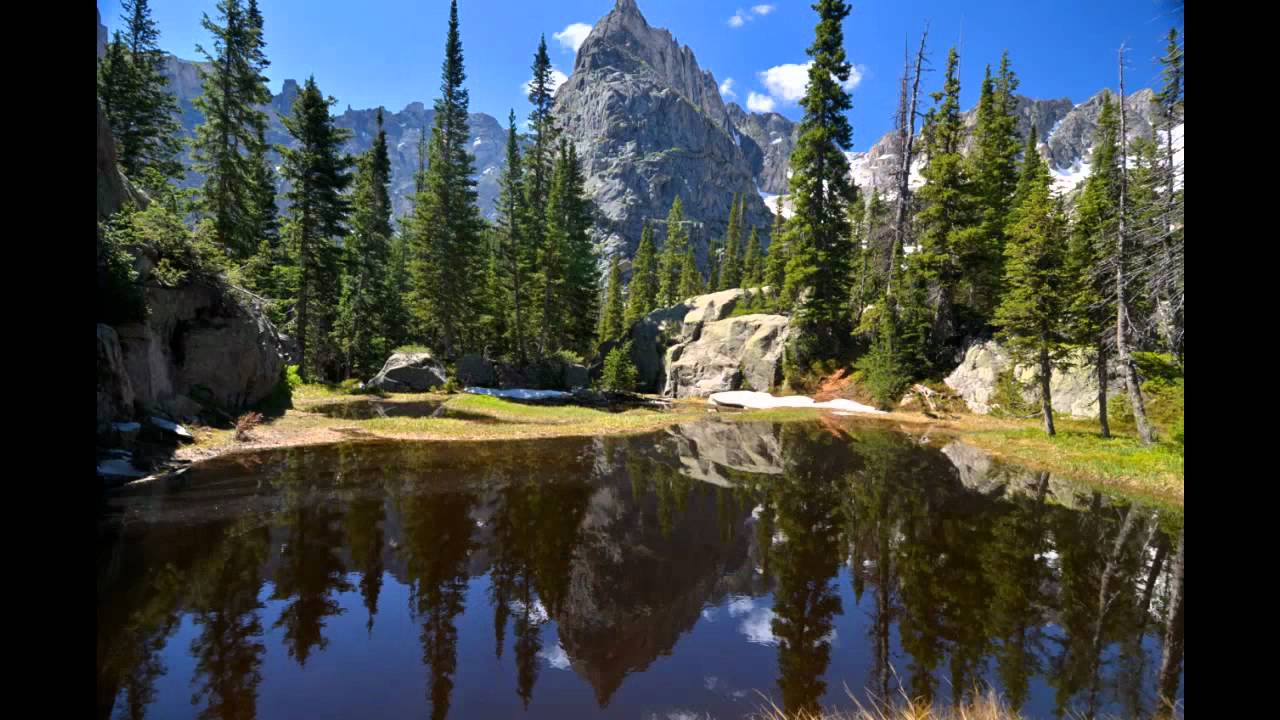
1118, 465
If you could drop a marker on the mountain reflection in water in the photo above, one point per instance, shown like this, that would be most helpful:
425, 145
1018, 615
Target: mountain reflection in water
648, 575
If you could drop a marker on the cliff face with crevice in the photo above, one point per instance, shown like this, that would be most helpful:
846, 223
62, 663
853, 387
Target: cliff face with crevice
649, 125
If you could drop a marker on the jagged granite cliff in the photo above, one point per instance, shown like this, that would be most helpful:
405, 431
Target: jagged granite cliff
649, 125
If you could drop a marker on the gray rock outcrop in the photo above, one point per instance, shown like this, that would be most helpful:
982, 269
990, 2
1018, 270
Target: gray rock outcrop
115, 393
649, 124
768, 139
694, 349
1074, 390
409, 372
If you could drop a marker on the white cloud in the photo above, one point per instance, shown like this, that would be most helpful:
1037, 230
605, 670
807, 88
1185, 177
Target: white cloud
738, 19
762, 9
726, 88
759, 103
556, 657
786, 83
557, 79
741, 17
571, 37
758, 627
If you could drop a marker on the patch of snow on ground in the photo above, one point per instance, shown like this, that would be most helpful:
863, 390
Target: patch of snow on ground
1065, 181
761, 400
775, 141
518, 393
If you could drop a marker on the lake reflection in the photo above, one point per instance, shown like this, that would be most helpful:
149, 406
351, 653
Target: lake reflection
655, 575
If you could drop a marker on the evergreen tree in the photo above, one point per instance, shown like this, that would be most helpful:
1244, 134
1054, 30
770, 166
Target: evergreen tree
567, 277
753, 269
731, 269
494, 321
448, 262
690, 278
266, 221
539, 162
1092, 242
611, 320
1167, 281
512, 224
135, 97
366, 294
993, 167
818, 233
775, 262
643, 291
226, 141
714, 261
317, 175
672, 258
399, 291
948, 228
1032, 311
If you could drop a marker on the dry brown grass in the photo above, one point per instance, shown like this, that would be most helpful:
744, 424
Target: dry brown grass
983, 705
245, 425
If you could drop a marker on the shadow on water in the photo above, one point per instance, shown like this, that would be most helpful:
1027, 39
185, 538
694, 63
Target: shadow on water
669, 573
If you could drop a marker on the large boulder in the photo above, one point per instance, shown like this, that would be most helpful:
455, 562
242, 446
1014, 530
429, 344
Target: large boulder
694, 348
743, 352
1073, 387
409, 372
202, 345
115, 392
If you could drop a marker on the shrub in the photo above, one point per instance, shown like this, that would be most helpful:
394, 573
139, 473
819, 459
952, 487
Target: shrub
619, 371
1008, 399
120, 295
882, 374
450, 386
292, 377
412, 348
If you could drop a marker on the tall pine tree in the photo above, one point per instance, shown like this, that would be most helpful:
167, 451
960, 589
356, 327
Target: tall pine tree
1092, 242
1032, 314
513, 223
993, 167
611, 319
642, 294
731, 268
362, 317
818, 232
670, 263
227, 140
135, 97
775, 262
448, 264
317, 174
752, 267
949, 231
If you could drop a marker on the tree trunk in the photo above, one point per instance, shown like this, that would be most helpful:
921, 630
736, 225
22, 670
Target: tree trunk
1046, 402
1102, 387
1130, 370
906, 133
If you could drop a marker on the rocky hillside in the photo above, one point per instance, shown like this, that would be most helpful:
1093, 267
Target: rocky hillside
649, 125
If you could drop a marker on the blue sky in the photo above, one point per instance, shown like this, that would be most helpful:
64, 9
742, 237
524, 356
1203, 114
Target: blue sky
389, 52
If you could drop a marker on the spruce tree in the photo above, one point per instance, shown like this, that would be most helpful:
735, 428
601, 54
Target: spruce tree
1167, 272
366, 295
135, 97
448, 264
818, 233
266, 221
715, 258
690, 278
643, 291
1092, 242
225, 142
567, 280
317, 174
611, 319
672, 258
512, 223
751, 265
731, 269
948, 229
775, 262
1032, 314
539, 162
993, 167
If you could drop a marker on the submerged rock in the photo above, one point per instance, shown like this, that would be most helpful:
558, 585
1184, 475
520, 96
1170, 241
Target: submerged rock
409, 372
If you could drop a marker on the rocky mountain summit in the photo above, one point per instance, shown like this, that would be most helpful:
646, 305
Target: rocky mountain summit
649, 124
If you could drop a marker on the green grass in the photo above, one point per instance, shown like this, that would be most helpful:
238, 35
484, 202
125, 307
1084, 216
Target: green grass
1122, 463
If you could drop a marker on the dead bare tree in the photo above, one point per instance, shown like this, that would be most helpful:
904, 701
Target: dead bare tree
1127, 365
906, 142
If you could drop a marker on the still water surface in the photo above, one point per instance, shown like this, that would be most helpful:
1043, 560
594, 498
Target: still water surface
687, 573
